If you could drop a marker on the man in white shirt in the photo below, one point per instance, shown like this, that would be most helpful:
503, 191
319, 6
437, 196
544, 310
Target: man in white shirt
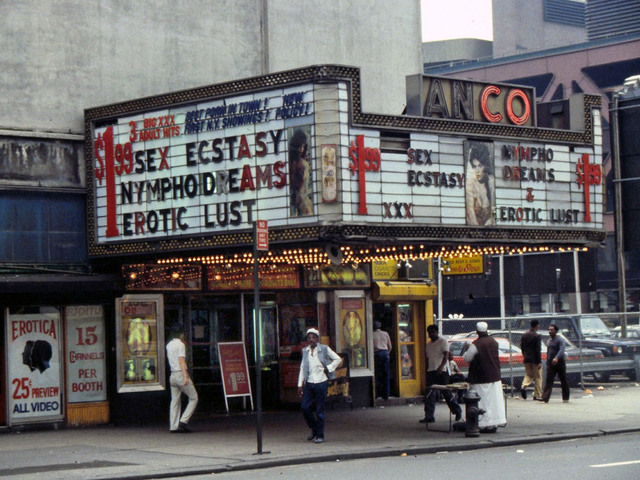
318, 365
180, 383
438, 374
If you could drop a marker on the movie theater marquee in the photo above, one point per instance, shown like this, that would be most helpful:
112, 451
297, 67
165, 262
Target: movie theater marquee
199, 168
475, 159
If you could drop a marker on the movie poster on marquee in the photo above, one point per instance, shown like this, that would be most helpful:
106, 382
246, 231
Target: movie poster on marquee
86, 354
480, 184
34, 385
300, 181
140, 343
329, 174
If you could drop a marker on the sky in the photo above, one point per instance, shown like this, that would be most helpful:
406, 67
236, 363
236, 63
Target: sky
444, 20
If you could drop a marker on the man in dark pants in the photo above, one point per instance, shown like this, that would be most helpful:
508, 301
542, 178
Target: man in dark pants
438, 374
382, 362
531, 345
556, 365
318, 365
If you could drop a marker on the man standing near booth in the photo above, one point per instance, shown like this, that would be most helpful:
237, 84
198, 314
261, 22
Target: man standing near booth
438, 374
485, 380
381, 349
318, 365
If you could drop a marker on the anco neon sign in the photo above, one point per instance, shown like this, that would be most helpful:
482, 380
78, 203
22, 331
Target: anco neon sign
471, 101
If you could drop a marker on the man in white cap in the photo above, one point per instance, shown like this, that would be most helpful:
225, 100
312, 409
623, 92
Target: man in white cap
318, 365
484, 379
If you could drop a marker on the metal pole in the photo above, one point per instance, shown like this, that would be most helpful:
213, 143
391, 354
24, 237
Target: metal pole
440, 312
256, 328
617, 175
576, 275
503, 307
556, 308
503, 320
264, 36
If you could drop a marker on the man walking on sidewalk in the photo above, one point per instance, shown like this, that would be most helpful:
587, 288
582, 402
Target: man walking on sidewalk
531, 345
180, 383
438, 374
556, 365
318, 365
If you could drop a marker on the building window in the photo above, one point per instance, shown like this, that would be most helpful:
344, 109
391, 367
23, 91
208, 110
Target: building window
42, 228
566, 12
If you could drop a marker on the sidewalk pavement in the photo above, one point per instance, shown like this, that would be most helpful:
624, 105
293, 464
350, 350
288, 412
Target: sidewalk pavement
230, 442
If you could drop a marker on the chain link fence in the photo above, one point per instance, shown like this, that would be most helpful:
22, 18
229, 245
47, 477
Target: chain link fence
599, 344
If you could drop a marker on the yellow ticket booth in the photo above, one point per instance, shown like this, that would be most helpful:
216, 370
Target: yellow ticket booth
405, 309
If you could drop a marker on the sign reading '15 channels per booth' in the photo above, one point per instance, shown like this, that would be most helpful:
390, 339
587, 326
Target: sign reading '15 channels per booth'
204, 168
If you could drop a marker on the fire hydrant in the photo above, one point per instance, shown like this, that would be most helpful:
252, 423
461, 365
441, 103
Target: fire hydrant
473, 412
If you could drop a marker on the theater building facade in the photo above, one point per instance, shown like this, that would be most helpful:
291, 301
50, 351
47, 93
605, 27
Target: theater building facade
358, 208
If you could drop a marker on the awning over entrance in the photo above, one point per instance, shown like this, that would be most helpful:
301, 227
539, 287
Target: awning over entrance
389, 291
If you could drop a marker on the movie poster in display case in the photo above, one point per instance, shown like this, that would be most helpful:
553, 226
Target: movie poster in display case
352, 331
140, 343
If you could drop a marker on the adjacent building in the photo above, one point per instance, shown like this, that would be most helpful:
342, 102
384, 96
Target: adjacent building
596, 53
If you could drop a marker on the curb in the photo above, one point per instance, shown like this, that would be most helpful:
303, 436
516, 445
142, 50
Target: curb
387, 452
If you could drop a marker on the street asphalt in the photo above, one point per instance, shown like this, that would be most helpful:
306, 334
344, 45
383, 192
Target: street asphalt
221, 443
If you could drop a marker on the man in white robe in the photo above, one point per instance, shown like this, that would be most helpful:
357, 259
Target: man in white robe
485, 380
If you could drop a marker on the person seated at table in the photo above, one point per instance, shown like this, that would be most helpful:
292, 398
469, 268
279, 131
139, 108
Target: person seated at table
456, 376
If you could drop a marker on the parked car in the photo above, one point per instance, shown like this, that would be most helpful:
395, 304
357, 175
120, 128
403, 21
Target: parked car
593, 333
507, 352
633, 331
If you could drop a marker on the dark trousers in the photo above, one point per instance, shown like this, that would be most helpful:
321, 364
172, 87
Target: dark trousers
314, 394
458, 378
435, 378
559, 369
383, 373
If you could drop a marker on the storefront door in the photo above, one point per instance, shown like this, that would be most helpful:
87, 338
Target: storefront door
3, 404
404, 321
410, 350
210, 322
268, 351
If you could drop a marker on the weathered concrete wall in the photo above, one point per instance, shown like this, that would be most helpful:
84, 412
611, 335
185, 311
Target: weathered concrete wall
519, 27
61, 57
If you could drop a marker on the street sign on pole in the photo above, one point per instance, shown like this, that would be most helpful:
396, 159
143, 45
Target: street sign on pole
260, 242
262, 235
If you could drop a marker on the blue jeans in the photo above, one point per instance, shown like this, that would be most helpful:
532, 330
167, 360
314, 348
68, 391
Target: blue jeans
314, 393
383, 372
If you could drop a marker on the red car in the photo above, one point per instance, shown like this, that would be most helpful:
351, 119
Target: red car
508, 353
